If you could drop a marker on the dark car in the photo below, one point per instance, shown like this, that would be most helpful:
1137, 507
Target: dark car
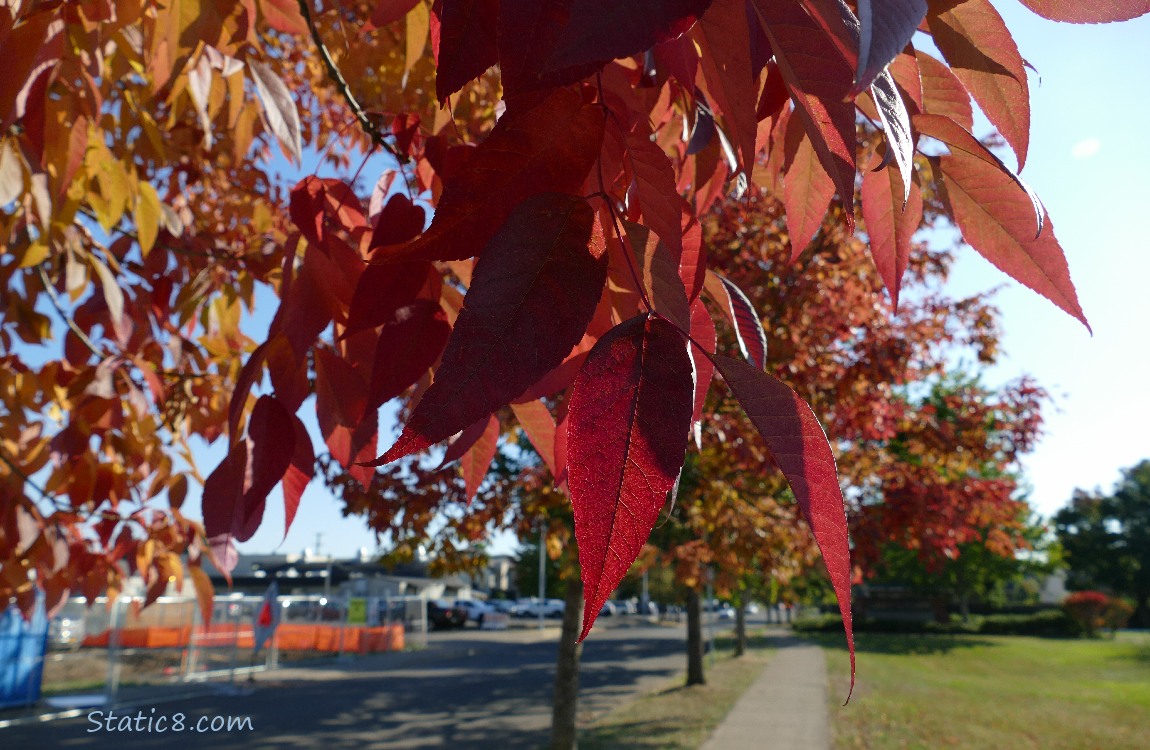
442, 615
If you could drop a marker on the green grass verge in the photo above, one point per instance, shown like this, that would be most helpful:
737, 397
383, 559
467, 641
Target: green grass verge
678, 717
939, 691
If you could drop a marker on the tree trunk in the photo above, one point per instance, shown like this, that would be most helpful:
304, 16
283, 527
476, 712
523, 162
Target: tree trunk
741, 629
566, 702
1141, 616
964, 606
695, 640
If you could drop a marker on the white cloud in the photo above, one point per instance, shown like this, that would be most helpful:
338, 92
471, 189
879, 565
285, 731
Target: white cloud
1084, 149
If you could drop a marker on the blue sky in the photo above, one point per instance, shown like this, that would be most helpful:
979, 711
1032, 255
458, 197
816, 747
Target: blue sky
1090, 163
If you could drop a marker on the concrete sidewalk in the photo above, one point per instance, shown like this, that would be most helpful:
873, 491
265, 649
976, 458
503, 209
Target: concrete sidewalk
785, 708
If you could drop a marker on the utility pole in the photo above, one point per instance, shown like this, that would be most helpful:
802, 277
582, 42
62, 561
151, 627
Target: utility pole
542, 570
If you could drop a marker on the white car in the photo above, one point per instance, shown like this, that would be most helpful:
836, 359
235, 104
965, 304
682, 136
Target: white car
549, 608
476, 610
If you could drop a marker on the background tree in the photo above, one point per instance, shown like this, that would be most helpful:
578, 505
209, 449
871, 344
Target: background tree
1106, 539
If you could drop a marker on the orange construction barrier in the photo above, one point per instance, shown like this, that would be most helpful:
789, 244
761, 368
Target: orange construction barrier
289, 637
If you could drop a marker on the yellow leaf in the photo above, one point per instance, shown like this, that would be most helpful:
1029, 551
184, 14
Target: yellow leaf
35, 254
11, 173
204, 592
418, 27
144, 552
147, 216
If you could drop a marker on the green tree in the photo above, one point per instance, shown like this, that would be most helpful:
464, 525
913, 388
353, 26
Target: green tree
1106, 539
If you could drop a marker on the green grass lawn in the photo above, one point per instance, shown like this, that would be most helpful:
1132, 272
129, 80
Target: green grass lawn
992, 692
679, 717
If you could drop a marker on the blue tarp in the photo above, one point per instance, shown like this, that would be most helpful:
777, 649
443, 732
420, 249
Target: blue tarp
22, 646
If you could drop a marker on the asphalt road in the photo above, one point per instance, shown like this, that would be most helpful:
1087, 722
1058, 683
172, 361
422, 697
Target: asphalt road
468, 689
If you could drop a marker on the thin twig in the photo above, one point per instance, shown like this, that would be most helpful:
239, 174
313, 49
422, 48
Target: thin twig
47, 496
341, 83
65, 316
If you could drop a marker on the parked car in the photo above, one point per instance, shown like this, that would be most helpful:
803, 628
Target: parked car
475, 609
504, 606
626, 607
607, 610
549, 608
443, 615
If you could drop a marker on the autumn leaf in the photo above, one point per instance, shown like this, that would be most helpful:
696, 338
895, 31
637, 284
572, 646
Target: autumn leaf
891, 221
658, 266
981, 51
799, 447
520, 158
896, 127
885, 28
628, 420
703, 336
279, 108
536, 420
271, 438
409, 345
477, 460
996, 218
1098, 11
463, 39
299, 472
819, 85
807, 188
533, 292
741, 315
724, 37
595, 31
942, 92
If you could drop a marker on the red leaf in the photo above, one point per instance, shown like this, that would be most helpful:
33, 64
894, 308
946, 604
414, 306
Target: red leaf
390, 11
820, 84
896, 126
975, 41
532, 294
807, 188
341, 394
942, 93
693, 262
271, 434
1095, 11
596, 31
996, 218
299, 473
959, 139
284, 16
703, 334
659, 200
478, 458
885, 28
528, 33
463, 40
524, 155
799, 446
537, 422
725, 39
399, 220
223, 494
463, 442
904, 70
741, 315
659, 269
630, 413
408, 346
252, 370
383, 290
889, 225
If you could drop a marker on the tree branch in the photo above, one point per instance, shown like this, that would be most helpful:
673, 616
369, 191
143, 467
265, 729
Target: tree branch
337, 78
65, 316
